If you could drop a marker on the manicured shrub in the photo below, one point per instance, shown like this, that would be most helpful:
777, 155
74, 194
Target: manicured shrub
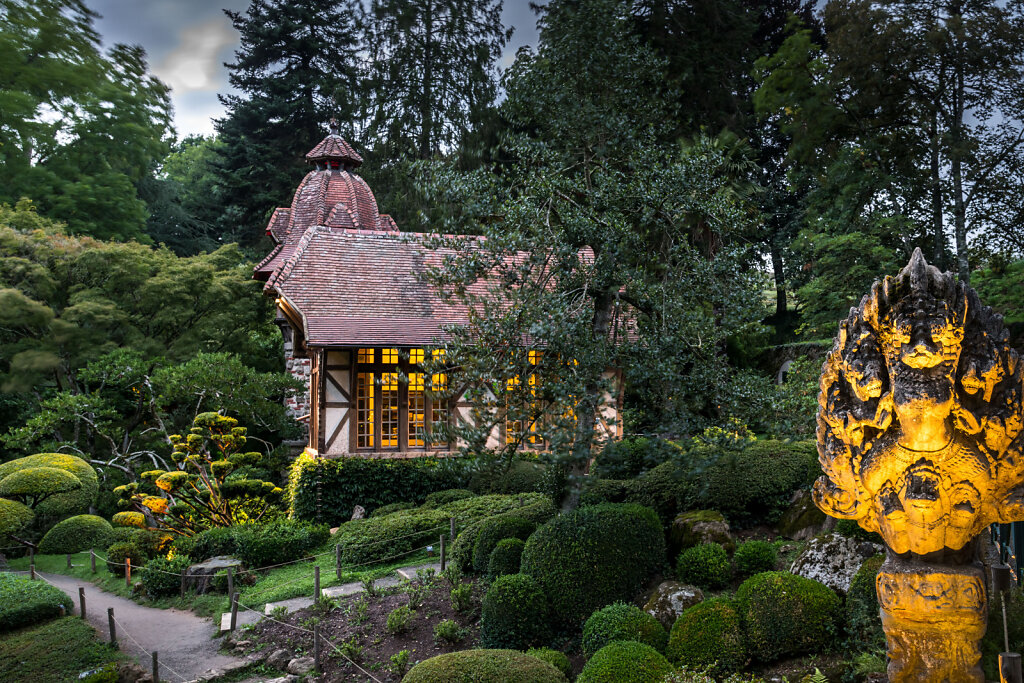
505, 558
620, 621
34, 484
629, 457
385, 510
709, 634
484, 666
553, 657
261, 545
372, 539
863, 623
161, 577
439, 498
14, 517
77, 533
515, 614
24, 602
469, 515
518, 476
705, 565
209, 543
754, 557
597, 491
62, 505
129, 518
625, 662
494, 530
118, 553
786, 615
594, 556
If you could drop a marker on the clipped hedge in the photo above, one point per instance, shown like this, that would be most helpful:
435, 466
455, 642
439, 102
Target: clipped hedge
484, 666
261, 545
629, 457
514, 614
119, 552
518, 476
370, 482
439, 498
385, 510
594, 556
62, 505
494, 530
505, 558
74, 534
863, 623
625, 662
786, 615
754, 557
620, 621
705, 565
709, 634
553, 657
14, 517
24, 602
161, 577
208, 543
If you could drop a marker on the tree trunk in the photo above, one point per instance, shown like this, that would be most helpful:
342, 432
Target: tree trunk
934, 170
956, 163
780, 281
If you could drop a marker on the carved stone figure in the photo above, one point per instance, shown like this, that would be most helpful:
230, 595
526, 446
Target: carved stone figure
919, 436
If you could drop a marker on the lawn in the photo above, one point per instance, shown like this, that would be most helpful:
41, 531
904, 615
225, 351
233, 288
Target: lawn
58, 650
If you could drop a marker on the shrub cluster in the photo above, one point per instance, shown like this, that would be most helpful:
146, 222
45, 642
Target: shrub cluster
515, 614
594, 556
517, 476
625, 662
24, 602
120, 552
863, 623
439, 498
553, 657
261, 545
161, 577
484, 666
754, 557
385, 510
61, 505
708, 635
76, 534
705, 565
620, 621
505, 558
629, 457
208, 543
494, 530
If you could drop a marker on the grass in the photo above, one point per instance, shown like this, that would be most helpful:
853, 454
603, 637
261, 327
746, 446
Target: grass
58, 650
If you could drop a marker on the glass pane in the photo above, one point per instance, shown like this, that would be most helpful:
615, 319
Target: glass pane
438, 409
388, 356
389, 409
364, 409
415, 356
365, 356
417, 410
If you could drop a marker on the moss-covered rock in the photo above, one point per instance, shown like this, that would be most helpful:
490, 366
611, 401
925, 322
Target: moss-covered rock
692, 528
709, 635
803, 520
625, 662
75, 534
670, 599
484, 666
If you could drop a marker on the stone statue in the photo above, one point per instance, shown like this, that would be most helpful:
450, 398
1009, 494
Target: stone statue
919, 424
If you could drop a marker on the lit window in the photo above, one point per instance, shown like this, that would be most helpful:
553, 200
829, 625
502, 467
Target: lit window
513, 427
415, 356
438, 409
365, 356
388, 356
417, 410
389, 409
364, 409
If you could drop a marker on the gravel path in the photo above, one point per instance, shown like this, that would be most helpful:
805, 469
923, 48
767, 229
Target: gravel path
184, 641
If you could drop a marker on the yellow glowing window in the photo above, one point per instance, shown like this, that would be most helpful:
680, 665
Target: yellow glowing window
513, 427
388, 356
417, 410
438, 409
415, 356
437, 354
534, 357
364, 409
364, 356
389, 410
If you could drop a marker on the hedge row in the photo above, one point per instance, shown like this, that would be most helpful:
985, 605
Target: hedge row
24, 602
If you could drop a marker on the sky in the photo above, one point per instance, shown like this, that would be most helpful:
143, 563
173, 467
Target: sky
188, 42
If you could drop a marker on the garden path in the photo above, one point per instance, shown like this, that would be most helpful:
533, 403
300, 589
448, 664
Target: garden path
184, 641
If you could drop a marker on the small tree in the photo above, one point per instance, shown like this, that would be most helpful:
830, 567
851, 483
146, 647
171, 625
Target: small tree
37, 488
202, 493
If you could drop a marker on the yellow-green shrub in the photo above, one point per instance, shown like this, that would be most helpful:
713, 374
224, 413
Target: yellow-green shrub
625, 662
484, 666
709, 634
74, 534
786, 615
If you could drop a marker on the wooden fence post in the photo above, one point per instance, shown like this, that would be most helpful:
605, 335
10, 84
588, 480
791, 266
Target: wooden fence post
183, 585
234, 611
69, 560
113, 629
32, 572
156, 669
231, 583
337, 560
81, 599
31, 555
442, 551
316, 584
128, 572
92, 559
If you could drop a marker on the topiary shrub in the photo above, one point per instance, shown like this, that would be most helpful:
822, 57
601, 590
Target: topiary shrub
505, 558
863, 623
161, 577
24, 602
518, 476
620, 621
129, 518
709, 634
705, 565
627, 458
625, 662
494, 530
261, 545
77, 533
597, 491
209, 543
534, 507
439, 498
61, 505
118, 553
484, 666
754, 557
553, 657
594, 556
786, 615
514, 614
14, 517
385, 510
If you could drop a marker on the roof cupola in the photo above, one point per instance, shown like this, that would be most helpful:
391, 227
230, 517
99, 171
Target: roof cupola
333, 153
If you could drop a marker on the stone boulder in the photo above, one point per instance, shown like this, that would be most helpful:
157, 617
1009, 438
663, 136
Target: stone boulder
803, 519
358, 512
670, 599
198, 577
278, 659
301, 665
695, 527
833, 560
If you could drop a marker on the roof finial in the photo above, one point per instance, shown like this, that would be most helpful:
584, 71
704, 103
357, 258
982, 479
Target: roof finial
334, 125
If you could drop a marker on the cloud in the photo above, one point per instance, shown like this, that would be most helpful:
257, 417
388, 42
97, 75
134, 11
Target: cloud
195, 63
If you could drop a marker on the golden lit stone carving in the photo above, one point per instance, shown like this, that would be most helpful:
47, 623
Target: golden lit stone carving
919, 436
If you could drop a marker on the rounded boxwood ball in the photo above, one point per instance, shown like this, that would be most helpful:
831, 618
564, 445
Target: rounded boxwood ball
709, 634
553, 657
514, 614
625, 662
76, 534
61, 505
786, 615
705, 565
620, 621
754, 557
484, 666
505, 557
494, 530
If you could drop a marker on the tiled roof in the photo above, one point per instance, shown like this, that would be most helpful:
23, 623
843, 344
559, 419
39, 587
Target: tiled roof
332, 331
334, 148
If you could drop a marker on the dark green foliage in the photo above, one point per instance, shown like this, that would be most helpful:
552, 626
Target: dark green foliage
786, 615
708, 634
209, 543
505, 558
537, 510
992, 644
439, 498
78, 533
494, 530
598, 491
625, 662
515, 614
553, 657
393, 507
850, 529
24, 602
705, 565
620, 621
863, 623
754, 557
120, 552
261, 545
484, 666
370, 482
629, 457
518, 476
162, 577
62, 505
594, 556
664, 488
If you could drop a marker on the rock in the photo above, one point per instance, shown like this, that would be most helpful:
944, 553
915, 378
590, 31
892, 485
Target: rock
334, 530
698, 526
199, 576
284, 679
278, 659
803, 519
833, 560
358, 512
131, 673
301, 666
670, 599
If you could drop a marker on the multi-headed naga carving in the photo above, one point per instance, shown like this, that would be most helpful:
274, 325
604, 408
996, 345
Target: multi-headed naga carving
919, 436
